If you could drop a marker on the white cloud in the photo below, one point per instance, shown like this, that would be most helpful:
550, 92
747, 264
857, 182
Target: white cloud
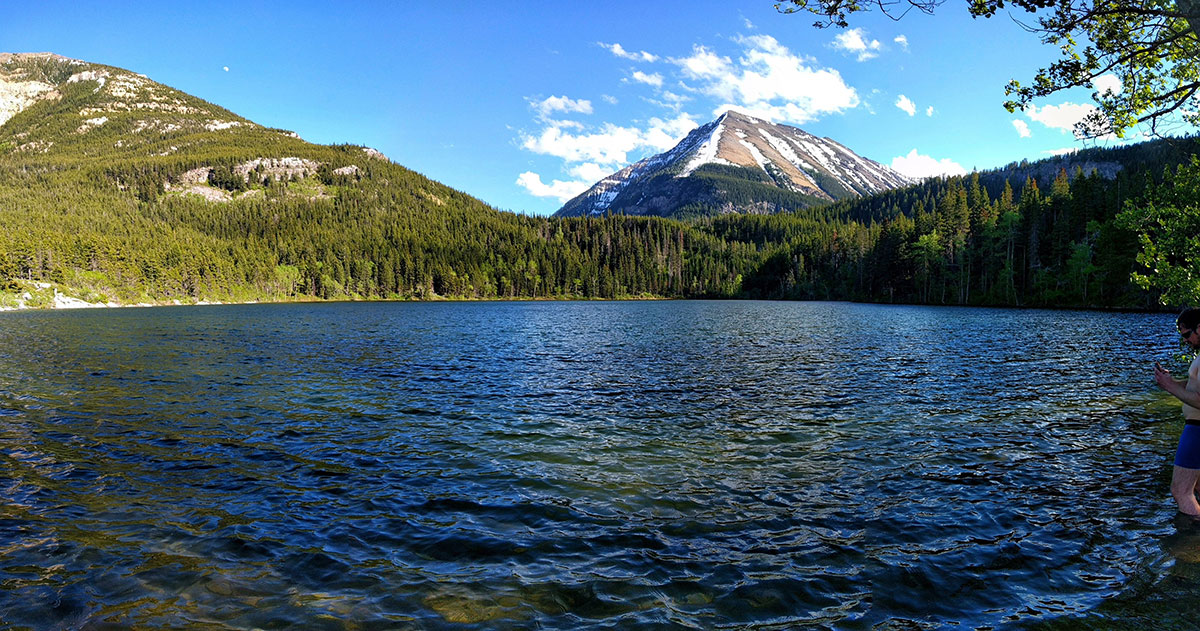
607, 146
665, 134
1022, 128
929, 111
610, 145
1062, 116
854, 41
564, 191
608, 98
769, 79
590, 172
704, 64
918, 166
554, 104
902, 41
563, 124
1062, 152
672, 98
655, 79
907, 105
620, 51
1108, 83
225, 68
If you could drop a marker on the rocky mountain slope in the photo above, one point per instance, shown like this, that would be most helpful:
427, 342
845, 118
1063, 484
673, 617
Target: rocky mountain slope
737, 163
117, 188
60, 111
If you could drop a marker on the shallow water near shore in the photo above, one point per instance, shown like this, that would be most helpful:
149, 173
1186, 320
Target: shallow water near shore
588, 465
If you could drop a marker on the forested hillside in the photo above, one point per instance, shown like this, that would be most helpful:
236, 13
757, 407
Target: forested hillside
993, 238
116, 189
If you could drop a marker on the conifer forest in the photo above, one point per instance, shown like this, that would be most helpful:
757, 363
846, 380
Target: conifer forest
1027, 235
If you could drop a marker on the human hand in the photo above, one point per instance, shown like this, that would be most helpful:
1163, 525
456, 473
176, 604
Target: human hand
1162, 377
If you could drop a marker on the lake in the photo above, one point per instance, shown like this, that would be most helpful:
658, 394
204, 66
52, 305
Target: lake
575, 465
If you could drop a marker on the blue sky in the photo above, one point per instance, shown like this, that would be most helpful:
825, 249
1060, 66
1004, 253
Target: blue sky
523, 104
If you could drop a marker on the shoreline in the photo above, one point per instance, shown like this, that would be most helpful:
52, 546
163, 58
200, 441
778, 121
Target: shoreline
62, 301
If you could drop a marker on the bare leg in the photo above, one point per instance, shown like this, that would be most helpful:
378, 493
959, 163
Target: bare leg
1183, 489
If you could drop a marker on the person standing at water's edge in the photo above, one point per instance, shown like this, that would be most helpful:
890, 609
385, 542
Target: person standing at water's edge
1187, 457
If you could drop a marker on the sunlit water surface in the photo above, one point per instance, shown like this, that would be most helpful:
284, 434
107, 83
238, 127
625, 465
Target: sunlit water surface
588, 465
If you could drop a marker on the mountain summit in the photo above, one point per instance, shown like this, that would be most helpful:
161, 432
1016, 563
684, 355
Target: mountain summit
737, 163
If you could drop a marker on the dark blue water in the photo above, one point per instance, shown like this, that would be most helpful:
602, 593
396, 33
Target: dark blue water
587, 465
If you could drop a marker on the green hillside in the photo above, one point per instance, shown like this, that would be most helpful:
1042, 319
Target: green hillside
117, 189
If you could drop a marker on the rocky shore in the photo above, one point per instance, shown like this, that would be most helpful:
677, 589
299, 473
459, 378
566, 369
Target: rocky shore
59, 300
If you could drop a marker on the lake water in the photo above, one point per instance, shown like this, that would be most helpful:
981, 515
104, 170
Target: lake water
588, 465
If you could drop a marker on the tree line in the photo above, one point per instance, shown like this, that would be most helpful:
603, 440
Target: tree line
110, 231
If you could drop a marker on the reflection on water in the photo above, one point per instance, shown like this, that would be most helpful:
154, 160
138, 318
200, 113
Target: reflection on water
580, 465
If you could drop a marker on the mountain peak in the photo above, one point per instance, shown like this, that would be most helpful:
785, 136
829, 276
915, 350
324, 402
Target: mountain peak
737, 163
95, 102
738, 115
7, 57
58, 109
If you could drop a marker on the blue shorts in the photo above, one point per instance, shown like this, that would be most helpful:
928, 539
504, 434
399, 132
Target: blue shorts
1188, 454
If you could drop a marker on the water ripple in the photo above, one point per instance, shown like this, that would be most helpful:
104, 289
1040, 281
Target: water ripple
587, 465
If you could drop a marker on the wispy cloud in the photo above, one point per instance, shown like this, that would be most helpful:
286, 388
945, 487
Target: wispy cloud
654, 79
929, 111
907, 105
620, 51
1022, 128
855, 41
561, 104
919, 166
901, 41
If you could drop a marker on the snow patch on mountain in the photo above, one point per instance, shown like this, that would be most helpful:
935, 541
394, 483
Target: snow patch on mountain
786, 150
706, 153
759, 158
